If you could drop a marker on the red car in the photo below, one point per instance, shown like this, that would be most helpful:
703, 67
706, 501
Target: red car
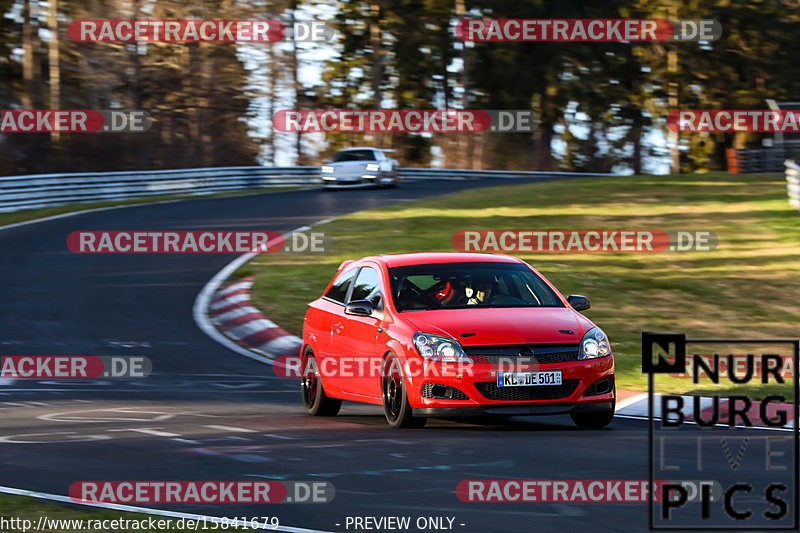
454, 334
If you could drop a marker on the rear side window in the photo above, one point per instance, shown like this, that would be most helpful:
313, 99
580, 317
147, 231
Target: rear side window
367, 287
338, 291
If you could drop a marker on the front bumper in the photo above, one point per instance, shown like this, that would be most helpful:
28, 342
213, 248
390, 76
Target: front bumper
367, 179
514, 410
476, 393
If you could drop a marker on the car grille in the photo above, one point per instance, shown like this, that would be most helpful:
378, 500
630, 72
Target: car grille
445, 392
519, 394
543, 354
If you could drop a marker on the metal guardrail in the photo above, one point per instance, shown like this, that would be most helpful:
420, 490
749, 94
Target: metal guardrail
32, 191
763, 159
40, 190
793, 183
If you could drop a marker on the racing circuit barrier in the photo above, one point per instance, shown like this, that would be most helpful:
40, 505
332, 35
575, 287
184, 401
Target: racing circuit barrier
793, 183
41, 190
762, 159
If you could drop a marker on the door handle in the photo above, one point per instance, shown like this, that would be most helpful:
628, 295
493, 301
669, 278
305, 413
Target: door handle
380, 329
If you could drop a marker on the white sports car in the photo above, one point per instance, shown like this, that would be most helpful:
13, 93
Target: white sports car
360, 166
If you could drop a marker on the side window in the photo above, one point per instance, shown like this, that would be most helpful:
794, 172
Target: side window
367, 287
338, 291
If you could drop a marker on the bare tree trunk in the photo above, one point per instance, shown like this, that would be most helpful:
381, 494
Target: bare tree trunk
637, 141
30, 45
445, 137
298, 144
55, 69
273, 72
137, 63
672, 101
206, 113
377, 62
464, 141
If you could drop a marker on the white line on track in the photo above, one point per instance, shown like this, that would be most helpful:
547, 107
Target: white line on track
232, 429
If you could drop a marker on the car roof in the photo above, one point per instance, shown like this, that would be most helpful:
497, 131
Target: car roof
422, 258
359, 148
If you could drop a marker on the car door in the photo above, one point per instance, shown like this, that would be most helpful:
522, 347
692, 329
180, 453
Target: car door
328, 323
357, 344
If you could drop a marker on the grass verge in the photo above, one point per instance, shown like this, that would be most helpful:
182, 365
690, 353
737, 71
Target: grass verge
747, 287
63, 518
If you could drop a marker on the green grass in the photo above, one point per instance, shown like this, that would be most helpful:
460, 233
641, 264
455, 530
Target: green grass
33, 214
25, 508
747, 287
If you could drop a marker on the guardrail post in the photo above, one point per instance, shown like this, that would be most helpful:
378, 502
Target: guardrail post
793, 183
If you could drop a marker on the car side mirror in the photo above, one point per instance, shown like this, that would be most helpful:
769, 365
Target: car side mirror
359, 308
578, 302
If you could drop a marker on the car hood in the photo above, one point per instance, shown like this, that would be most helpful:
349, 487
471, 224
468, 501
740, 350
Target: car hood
498, 326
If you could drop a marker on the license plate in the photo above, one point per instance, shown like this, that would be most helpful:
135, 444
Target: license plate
528, 379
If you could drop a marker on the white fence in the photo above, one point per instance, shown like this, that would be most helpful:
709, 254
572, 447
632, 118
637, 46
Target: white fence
793, 183
32, 191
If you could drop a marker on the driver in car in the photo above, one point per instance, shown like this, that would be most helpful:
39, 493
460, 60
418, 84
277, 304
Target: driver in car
481, 291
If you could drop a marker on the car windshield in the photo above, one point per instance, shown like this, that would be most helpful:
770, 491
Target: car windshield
465, 285
354, 155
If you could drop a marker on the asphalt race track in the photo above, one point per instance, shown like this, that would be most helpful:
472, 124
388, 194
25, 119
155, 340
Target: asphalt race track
207, 413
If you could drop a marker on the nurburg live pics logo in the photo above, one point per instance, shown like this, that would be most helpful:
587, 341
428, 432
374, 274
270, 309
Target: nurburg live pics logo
711, 438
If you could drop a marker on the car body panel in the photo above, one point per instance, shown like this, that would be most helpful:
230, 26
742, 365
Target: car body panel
332, 334
496, 326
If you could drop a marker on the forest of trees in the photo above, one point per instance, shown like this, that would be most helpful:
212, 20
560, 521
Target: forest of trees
601, 106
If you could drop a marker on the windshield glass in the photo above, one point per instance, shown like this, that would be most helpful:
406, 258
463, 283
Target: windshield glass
465, 285
355, 155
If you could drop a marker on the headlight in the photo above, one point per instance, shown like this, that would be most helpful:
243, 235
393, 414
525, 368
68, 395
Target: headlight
327, 169
439, 348
594, 344
373, 167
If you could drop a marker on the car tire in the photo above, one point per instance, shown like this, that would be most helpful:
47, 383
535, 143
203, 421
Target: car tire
317, 403
396, 408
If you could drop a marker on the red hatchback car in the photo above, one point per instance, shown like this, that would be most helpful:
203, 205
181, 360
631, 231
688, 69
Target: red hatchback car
454, 334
